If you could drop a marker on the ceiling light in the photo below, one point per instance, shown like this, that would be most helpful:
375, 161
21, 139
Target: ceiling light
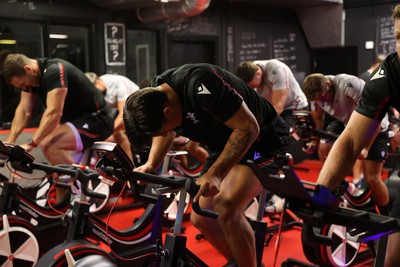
7, 42
58, 36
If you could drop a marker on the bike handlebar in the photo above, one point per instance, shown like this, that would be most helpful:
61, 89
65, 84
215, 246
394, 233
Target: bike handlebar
22, 161
176, 182
115, 165
305, 126
192, 188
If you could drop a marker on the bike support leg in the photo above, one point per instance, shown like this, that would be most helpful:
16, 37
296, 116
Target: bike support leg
260, 228
381, 251
260, 232
174, 246
8, 197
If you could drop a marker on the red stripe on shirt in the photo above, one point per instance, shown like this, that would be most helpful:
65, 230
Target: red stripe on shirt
381, 106
62, 74
90, 135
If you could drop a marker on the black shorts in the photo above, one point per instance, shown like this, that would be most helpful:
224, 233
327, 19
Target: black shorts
335, 126
92, 127
271, 162
379, 148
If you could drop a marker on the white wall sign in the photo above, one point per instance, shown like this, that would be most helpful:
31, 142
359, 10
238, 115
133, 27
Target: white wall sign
114, 34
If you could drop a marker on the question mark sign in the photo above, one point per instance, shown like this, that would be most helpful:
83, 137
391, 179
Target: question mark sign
114, 30
115, 55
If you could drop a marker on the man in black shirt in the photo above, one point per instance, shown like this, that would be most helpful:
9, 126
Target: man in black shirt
76, 114
381, 91
212, 106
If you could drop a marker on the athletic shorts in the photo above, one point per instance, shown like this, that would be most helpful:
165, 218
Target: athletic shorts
379, 148
92, 127
271, 162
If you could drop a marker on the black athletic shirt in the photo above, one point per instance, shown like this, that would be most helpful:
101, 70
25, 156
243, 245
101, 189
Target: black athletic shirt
82, 96
210, 96
382, 90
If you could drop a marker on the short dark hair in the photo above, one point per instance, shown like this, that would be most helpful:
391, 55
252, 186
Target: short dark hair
13, 66
313, 85
144, 115
246, 71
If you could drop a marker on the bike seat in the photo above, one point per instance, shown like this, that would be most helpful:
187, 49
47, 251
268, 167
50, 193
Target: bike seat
95, 260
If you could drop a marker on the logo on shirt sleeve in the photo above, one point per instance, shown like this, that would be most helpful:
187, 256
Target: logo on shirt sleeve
379, 74
202, 90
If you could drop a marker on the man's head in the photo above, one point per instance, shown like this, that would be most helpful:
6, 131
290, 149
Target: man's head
396, 19
3, 54
21, 71
144, 115
251, 73
98, 83
315, 86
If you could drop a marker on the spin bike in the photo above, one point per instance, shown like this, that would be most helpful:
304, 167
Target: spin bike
84, 158
137, 239
172, 165
357, 199
27, 229
342, 251
140, 245
115, 166
318, 207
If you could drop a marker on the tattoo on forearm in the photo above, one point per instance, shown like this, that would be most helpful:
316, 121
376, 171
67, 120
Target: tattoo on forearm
238, 141
237, 144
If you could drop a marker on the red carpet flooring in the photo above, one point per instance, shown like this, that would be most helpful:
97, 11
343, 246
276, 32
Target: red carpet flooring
290, 241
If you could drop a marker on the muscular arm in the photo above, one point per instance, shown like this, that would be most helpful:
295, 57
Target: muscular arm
245, 131
318, 115
278, 99
357, 135
118, 122
159, 148
23, 114
52, 115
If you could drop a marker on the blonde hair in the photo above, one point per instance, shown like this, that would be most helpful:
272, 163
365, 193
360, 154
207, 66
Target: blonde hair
396, 12
92, 76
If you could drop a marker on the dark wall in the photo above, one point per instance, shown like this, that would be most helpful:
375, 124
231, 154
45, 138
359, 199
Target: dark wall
369, 23
71, 13
265, 33
242, 33
238, 32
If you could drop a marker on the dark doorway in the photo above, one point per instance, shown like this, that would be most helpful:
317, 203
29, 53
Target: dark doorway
335, 60
70, 43
183, 51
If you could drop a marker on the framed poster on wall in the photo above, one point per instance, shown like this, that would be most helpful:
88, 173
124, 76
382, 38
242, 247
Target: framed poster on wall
114, 34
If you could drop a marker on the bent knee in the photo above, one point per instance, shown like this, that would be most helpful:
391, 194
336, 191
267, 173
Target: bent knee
226, 208
200, 222
373, 180
45, 146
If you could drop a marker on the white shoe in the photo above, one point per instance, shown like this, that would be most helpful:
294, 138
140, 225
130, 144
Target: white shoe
276, 204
